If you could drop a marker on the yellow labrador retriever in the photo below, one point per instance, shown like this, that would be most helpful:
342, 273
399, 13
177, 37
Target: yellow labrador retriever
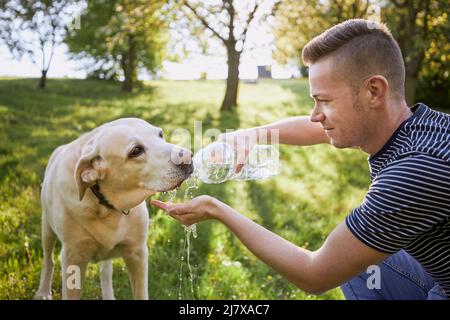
93, 201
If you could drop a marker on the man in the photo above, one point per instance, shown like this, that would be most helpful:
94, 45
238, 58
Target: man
356, 76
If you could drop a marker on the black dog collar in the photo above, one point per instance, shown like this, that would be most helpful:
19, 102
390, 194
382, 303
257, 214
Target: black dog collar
103, 201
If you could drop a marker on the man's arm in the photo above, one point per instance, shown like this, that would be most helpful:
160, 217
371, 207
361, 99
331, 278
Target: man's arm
341, 257
295, 131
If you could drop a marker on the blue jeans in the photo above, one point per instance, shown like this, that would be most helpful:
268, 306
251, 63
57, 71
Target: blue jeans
401, 278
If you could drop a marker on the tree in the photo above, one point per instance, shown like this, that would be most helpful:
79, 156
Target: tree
121, 35
35, 28
434, 83
416, 25
300, 21
420, 27
224, 21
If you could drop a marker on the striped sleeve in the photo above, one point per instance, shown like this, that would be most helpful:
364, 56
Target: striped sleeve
407, 199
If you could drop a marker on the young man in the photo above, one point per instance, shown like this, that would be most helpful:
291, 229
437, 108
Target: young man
356, 76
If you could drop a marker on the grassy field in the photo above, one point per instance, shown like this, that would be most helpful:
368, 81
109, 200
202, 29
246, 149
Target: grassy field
317, 188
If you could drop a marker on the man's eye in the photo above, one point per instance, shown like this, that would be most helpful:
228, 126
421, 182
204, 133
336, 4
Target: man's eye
136, 152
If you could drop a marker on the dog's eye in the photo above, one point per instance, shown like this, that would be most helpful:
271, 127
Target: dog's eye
161, 135
136, 152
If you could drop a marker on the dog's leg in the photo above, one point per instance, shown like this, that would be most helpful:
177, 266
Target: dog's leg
73, 273
106, 271
137, 264
48, 244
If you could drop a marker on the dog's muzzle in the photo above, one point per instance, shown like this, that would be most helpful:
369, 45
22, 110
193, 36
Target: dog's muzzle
186, 168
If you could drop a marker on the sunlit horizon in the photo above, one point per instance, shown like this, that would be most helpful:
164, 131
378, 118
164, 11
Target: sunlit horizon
208, 67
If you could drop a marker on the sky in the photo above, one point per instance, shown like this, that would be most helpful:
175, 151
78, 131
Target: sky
61, 65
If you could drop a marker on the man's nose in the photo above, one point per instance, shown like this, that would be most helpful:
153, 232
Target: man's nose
317, 115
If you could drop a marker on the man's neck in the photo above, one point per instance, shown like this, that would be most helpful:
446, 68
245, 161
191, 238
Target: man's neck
387, 123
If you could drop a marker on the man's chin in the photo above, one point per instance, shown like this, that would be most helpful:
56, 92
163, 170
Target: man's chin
339, 144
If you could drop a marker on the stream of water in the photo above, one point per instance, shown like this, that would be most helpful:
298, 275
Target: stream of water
191, 184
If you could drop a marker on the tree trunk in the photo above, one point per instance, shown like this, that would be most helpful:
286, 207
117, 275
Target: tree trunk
410, 89
129, 66
231, 92
412, 68
43, 80
413, 52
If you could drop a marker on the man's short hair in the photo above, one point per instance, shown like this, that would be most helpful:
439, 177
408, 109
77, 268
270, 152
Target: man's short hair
360, 49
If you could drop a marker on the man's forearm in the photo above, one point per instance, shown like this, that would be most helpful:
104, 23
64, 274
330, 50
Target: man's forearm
294, 131
283, 256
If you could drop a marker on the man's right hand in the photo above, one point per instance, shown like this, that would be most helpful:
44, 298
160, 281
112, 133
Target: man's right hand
242, 141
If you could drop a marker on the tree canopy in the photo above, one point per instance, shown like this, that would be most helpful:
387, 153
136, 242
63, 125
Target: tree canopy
420, 27
121, 36
34, 28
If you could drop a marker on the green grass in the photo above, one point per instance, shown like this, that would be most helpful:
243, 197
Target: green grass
318, 185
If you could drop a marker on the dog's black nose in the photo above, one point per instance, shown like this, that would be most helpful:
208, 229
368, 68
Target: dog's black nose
187, 168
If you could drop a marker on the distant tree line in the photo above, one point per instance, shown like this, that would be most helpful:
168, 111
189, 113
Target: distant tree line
118, 38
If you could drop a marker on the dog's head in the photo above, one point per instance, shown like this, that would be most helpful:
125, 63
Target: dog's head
130, 160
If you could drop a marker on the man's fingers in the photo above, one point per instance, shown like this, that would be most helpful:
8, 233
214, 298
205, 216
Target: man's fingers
159, 204
179, 209
186, 219
171, 208
166, 206
242, 155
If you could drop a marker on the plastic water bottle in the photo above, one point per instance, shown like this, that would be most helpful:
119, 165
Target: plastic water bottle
216, 163
263, 162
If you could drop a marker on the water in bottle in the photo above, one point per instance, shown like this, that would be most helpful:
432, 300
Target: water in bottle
262, 162
216, 163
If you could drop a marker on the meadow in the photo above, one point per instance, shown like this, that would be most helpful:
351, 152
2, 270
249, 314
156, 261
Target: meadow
317, 187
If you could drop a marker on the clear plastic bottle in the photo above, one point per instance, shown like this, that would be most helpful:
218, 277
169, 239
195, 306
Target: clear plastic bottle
262, 162
216, 163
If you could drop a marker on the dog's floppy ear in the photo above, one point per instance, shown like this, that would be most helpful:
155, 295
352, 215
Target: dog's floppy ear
89, 169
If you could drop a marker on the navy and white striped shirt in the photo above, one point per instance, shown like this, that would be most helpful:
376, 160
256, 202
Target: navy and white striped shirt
408, 203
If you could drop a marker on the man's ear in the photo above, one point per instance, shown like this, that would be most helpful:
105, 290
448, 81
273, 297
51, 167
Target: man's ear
90, 168
378, 88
